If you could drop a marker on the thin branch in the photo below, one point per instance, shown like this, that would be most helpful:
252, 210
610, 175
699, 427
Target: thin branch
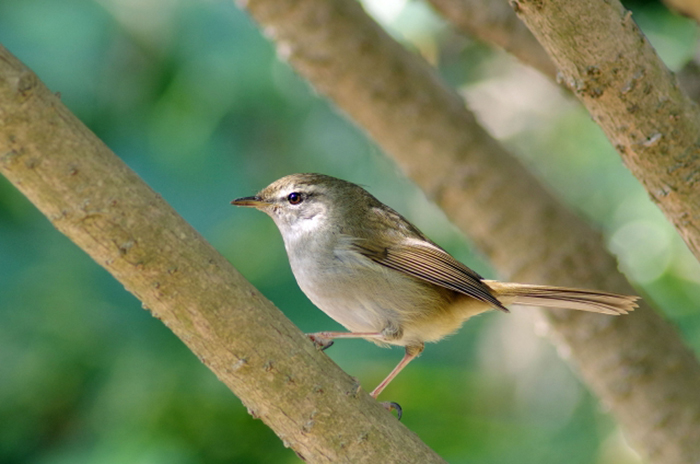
107, 210
398, 99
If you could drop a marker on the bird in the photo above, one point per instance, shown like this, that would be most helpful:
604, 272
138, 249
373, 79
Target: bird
380, 277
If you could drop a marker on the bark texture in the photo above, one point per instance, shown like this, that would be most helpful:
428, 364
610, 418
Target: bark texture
107, 210
608, 63
636, 364
495, 23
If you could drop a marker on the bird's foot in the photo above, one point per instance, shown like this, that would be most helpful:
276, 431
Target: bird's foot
320, 342
391, 406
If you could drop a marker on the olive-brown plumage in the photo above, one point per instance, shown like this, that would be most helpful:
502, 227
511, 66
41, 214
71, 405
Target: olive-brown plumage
375, 273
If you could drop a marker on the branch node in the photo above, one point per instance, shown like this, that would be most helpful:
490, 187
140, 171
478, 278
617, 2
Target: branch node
238, 365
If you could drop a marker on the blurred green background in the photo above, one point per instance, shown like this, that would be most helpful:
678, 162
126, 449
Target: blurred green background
191, 96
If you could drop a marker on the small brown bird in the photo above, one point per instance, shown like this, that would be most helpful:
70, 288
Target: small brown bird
376, 274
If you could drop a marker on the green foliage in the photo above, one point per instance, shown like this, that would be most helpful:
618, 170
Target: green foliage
191, 96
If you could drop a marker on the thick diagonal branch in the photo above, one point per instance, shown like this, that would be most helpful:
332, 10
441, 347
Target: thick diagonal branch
608, 63
107, 210
636, 364
494, 22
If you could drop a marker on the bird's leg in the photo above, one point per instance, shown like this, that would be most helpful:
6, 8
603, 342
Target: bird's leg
412, 351
324, 340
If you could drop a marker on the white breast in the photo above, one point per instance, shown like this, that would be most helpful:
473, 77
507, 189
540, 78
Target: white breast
356, 292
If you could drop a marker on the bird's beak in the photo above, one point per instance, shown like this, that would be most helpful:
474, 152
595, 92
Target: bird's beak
255, 202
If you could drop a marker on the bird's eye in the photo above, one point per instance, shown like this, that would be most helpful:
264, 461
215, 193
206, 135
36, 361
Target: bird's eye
294, 198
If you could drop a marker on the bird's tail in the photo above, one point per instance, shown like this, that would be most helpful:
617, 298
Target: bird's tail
561, 297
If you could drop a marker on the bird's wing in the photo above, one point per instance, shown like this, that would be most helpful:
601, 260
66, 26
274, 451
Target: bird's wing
430, 263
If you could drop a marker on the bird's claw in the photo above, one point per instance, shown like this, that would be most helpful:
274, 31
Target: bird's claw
320, 342
391, 406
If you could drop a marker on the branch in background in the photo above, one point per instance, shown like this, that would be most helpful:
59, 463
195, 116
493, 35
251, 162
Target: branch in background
689, 8
107, 210
608, 63
689, 78
636, 364
493, 22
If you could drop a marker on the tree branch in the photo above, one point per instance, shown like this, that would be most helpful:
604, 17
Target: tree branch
107, 210
529, 236
611, 67
689, 8
689, 79
494, 22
